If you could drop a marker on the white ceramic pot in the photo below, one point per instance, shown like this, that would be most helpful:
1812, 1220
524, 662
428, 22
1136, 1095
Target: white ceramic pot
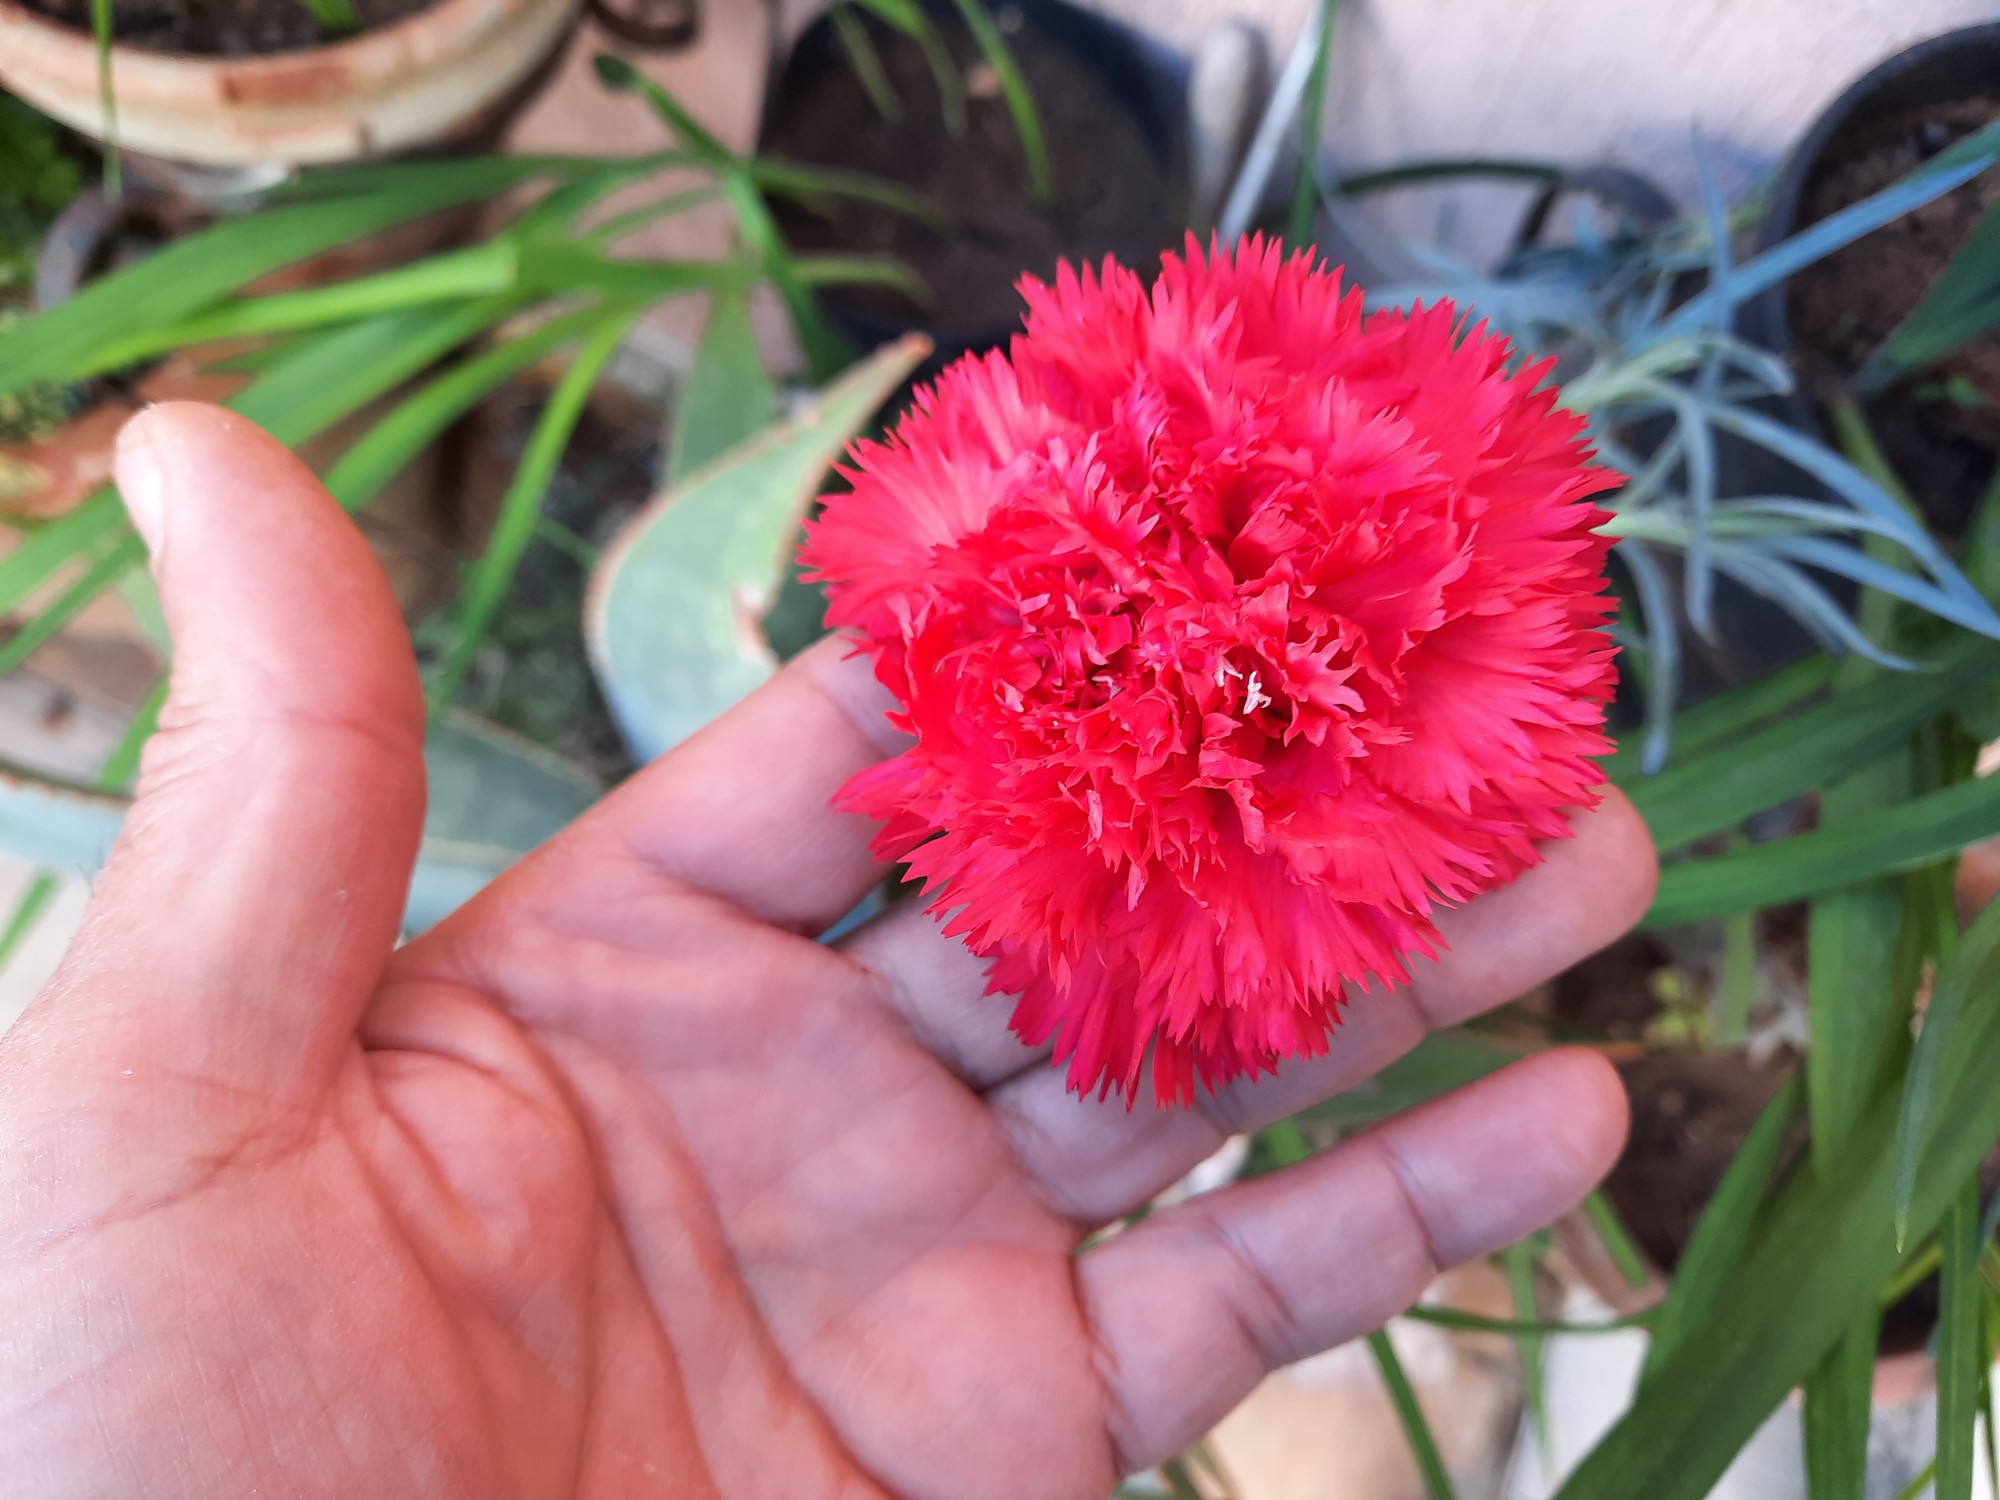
398, 86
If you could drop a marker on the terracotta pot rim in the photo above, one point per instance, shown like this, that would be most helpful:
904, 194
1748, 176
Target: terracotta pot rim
396, 86
387, 38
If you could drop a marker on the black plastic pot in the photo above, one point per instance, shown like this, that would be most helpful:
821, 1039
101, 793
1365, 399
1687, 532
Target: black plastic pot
1147, 80
1957, 67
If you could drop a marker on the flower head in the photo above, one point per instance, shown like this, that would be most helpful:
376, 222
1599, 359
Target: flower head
1238, 631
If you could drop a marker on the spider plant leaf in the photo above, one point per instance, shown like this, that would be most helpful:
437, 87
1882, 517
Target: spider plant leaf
672, 617
1905, 837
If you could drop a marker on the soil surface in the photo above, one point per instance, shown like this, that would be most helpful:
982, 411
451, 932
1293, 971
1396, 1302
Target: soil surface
228, 28
1690, 1110
1846, 306
1114, 194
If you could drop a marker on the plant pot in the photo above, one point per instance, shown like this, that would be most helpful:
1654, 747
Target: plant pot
1114, 108
1828, 315
439, 74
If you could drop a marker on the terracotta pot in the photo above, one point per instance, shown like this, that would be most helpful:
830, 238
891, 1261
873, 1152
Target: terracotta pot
391, 89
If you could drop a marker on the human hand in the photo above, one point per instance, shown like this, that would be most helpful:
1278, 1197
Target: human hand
616, 1183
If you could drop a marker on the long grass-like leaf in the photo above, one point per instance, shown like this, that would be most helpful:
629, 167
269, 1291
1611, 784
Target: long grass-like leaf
1961, 1310
1907, 837
1020, 98
1305, 188
493, 575
908, 17
1731, 713
1465, 1322
1968, 980
1416, 1427
1961, 303
41, 889
101, 573
194, 274
477, 271
865, 62
1838, 1393
379, 454
1723, 1230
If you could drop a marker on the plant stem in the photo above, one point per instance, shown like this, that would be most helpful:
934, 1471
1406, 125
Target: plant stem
1305, 187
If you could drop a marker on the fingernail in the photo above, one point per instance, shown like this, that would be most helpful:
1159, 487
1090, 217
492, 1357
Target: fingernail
142, 478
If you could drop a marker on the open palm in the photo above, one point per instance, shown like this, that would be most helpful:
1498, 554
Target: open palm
618, 1183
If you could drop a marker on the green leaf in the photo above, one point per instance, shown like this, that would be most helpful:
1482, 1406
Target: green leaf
1710, 792
1898, 839
70, 537
1440, 1063
1518, 1262
196, 273
728, 398
492, 575
1820, 1252
1959, 1338
1617, 1239
672, 615
1465, 1322
814, 184
105, 569
1437, 1481
1961, 303
908, 17
1306, 188
477, 271
27, 912
1966, 989
1721, 1233
1731, 712
1838, 1397
866, 62
1020, 99
1852, 997
395, 441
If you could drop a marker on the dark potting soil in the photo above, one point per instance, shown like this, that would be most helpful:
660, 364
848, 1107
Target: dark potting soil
1690, 1110
1113, 195
225, 28
1842, 309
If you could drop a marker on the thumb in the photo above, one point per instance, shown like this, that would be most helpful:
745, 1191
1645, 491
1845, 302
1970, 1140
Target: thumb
247, 909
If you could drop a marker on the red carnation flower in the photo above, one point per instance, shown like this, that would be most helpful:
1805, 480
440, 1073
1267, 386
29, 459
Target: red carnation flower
1238, 631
